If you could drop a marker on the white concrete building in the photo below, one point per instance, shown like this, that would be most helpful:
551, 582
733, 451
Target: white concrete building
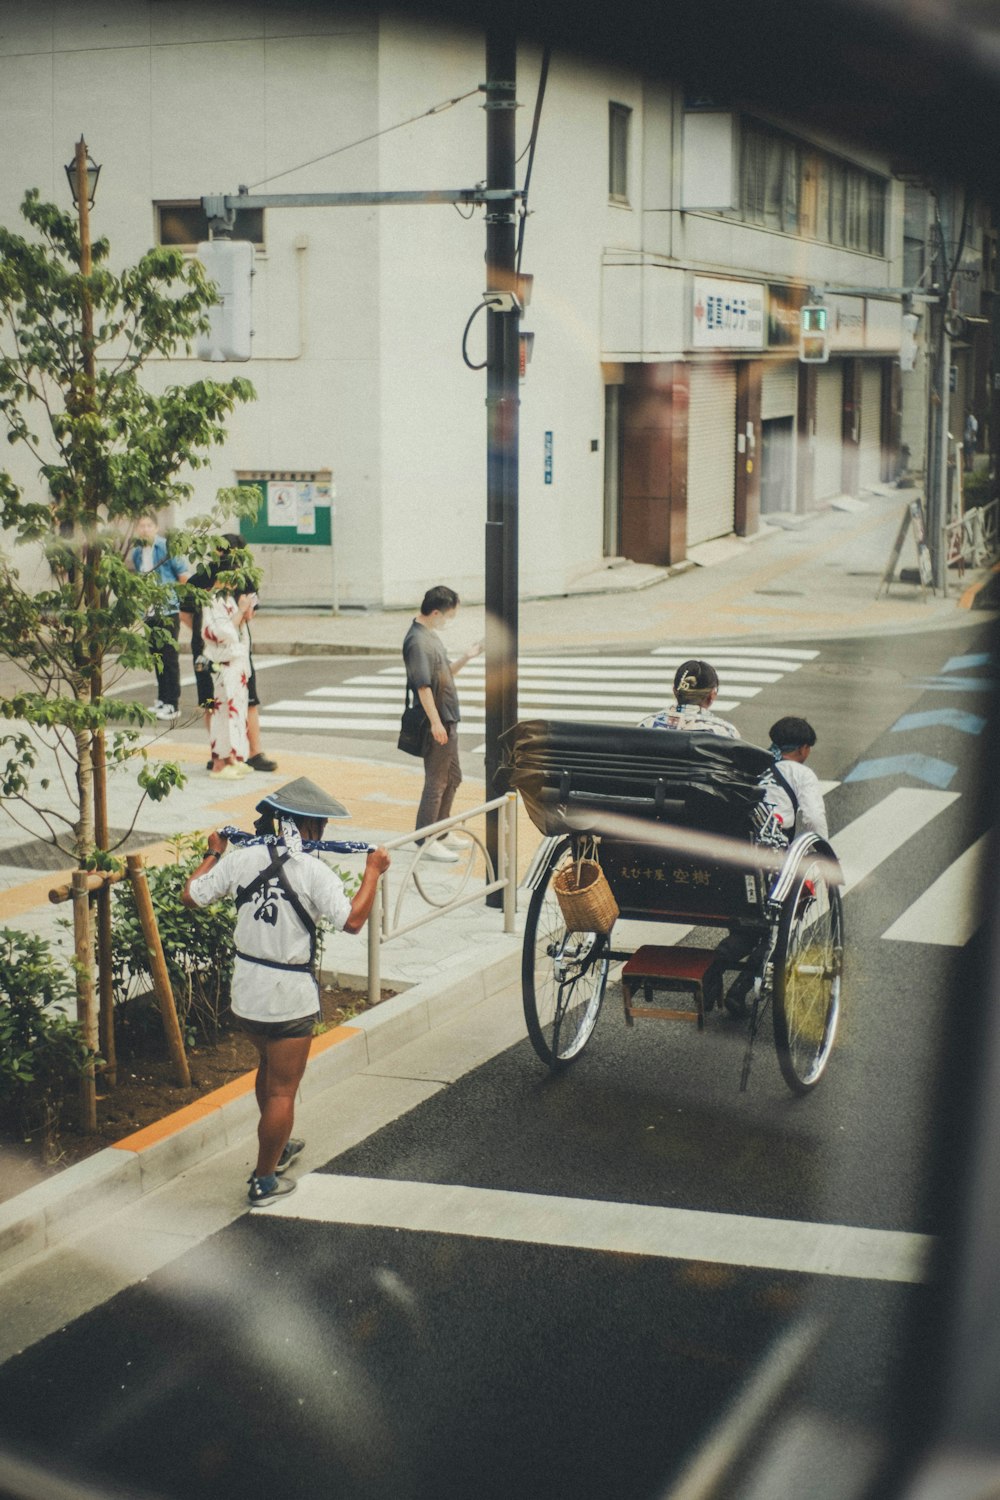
671, 241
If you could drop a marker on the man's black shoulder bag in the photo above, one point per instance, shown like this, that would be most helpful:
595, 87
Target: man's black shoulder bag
413, 726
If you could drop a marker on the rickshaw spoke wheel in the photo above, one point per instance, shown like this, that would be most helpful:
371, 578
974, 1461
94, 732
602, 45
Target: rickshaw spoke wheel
563, 975
808, 968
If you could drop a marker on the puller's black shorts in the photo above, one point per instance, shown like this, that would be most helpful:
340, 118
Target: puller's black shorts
278, 1031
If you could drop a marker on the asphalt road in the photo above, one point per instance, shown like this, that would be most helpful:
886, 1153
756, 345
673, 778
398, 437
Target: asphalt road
294, 1357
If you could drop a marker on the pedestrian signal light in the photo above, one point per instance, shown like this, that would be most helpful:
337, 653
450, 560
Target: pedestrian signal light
229, 263
813, 346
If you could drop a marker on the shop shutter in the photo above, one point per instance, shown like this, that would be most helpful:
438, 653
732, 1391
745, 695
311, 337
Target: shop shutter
870, 447
828, 471
779, 390
711, 452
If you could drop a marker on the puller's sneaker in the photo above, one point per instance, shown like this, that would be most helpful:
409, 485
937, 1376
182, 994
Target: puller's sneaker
289, 1154
267, 1189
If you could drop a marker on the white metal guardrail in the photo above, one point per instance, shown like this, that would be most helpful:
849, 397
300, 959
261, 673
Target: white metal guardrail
971, 540
444, 887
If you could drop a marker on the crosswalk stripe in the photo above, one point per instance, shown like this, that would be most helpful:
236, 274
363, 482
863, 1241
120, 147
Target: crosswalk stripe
389, 717
587, 689
796, 654
346, 722
577, 676
864, 844
950, 911
612, 1228
322, 700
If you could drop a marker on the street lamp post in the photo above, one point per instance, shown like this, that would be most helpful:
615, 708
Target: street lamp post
83, 173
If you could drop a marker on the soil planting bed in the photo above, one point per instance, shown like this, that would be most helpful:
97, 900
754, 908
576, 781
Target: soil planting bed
145, 1093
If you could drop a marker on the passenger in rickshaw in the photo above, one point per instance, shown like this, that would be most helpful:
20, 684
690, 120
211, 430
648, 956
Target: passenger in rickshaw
792, 790
696, 687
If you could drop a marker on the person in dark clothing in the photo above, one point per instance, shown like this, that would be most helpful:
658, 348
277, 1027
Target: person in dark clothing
150, 553
431, 676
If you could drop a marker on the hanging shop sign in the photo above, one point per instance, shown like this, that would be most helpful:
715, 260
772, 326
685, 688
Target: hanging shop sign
883, 325
784, 309
726, 314
846, 323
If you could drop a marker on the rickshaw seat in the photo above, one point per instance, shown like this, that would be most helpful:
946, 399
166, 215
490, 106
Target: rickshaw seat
571, 775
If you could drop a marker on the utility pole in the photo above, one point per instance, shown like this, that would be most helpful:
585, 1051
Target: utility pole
500, 199
937, 447
502, 413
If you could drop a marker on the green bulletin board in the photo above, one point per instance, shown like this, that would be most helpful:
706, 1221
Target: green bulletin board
296, 508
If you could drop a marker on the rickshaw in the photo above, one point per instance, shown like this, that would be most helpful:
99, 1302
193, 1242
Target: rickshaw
682, 832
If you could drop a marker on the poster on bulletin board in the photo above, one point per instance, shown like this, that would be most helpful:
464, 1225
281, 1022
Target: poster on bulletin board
291, 535
296, 506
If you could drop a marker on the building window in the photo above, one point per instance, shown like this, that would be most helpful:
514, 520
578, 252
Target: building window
753, 176
793, 188
855, 210
838, 200
619, 125
876, 215
184, 225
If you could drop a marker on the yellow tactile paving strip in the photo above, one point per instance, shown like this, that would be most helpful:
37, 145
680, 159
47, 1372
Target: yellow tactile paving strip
160, 1130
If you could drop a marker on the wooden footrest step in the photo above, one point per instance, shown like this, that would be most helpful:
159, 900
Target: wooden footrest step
652, 968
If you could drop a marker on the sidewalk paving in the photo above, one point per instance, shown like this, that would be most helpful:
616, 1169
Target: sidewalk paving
800, 578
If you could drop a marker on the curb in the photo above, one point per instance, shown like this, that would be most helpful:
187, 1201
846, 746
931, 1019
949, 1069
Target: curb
86, 1194
967, 600
319, 648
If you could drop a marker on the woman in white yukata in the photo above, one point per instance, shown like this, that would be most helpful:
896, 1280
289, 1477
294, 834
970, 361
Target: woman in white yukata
227, 647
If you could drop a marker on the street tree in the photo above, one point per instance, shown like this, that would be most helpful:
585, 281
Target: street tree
109, 442
74, 343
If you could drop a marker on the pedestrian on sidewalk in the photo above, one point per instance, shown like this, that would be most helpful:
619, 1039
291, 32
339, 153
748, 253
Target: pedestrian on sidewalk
696, 687
257, 758
282, 892
969, 437
431, 677
150, 553
225, 645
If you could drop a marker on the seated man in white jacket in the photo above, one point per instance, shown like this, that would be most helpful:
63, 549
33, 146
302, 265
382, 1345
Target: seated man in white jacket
795, 793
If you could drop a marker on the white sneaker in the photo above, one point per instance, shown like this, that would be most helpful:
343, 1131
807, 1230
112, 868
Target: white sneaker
232, 771
459, 841
439, 854
157, 703
166, 711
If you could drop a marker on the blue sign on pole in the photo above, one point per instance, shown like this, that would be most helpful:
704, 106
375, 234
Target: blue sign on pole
548, 458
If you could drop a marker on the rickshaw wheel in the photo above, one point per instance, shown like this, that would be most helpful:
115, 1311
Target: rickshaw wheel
563, 975
808, 968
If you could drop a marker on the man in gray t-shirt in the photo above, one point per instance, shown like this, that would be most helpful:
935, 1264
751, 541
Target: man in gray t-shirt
431, 676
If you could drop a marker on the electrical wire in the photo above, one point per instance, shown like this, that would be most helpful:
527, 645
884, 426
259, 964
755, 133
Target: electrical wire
435, 109
536, 120
465, 335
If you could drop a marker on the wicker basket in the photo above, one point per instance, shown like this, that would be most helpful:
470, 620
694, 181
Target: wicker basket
585, 897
